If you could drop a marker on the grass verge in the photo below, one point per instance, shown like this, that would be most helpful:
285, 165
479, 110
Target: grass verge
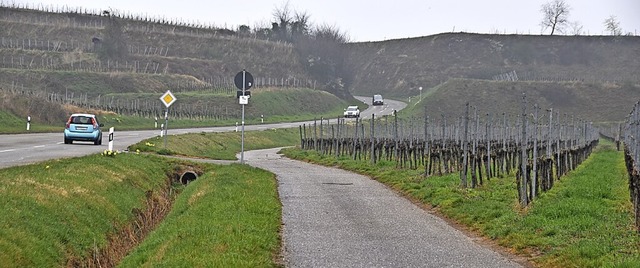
222, 145
584, 221
11, 124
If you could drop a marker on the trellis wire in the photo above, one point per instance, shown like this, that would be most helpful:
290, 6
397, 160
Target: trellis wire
493, 148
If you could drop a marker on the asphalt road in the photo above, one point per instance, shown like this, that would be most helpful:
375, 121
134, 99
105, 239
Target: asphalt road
332, 218
22, 149
335, 218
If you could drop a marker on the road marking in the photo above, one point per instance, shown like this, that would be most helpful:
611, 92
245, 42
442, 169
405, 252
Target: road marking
38, 146
9, 150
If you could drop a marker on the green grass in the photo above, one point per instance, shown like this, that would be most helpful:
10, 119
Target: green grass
230, 217
9, 123
63, 209
224, 145
584, 221
270, 105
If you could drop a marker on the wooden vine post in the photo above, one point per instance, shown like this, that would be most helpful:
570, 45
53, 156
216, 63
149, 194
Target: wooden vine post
465, 160
488, 135
372, 140
523, 161
549, 172
534, 169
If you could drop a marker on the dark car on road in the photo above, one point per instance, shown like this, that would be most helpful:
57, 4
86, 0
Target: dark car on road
377, 100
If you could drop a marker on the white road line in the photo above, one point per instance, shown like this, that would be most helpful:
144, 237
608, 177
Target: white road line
8, 150
38, 146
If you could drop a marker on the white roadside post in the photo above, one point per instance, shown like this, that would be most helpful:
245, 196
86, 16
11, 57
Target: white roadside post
28, 123
111, 139
167, 99
156, 123
161, 130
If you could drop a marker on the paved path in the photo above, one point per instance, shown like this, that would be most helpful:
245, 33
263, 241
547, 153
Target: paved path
335, 218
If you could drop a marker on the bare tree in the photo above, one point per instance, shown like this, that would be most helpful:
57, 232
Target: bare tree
576, 28
326, 59
613, 25
290, 25
555, 15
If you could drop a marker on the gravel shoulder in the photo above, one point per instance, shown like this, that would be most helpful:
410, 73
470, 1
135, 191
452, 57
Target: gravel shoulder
336, 218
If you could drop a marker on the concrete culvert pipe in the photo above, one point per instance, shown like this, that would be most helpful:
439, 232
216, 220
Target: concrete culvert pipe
187, 177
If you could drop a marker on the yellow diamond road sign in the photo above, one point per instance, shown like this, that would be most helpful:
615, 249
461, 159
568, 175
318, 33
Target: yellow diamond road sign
168, 98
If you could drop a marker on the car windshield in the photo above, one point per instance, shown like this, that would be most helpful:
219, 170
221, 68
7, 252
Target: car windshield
351, 109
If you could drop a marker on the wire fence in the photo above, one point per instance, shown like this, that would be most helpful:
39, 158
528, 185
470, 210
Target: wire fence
592, 77
75, 46
79, 17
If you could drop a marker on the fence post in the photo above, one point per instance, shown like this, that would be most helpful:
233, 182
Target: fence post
523, 161
465, 159
373, 154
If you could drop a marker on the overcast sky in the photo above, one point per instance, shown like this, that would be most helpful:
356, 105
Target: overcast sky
368, 20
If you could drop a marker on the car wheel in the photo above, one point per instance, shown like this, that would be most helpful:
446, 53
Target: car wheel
67, 141
98, 142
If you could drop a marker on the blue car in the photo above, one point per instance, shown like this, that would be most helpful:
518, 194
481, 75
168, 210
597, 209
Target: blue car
83, 127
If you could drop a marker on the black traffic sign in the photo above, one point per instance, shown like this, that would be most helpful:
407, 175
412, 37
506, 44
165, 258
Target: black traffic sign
248, 80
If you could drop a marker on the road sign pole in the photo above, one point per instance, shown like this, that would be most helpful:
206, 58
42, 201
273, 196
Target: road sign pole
243, 81
244, 77
168, 99
166, 126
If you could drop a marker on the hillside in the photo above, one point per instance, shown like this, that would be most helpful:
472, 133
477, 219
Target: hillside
61, 56
594, 102
397, 68
35, 39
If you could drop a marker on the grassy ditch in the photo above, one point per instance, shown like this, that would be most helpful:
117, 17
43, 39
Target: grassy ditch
584, 221
92, 211
229, 217
62, 212
222, 145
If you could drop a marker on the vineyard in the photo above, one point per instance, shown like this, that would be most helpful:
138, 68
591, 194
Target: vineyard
631, 140
537, 147
56, 54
